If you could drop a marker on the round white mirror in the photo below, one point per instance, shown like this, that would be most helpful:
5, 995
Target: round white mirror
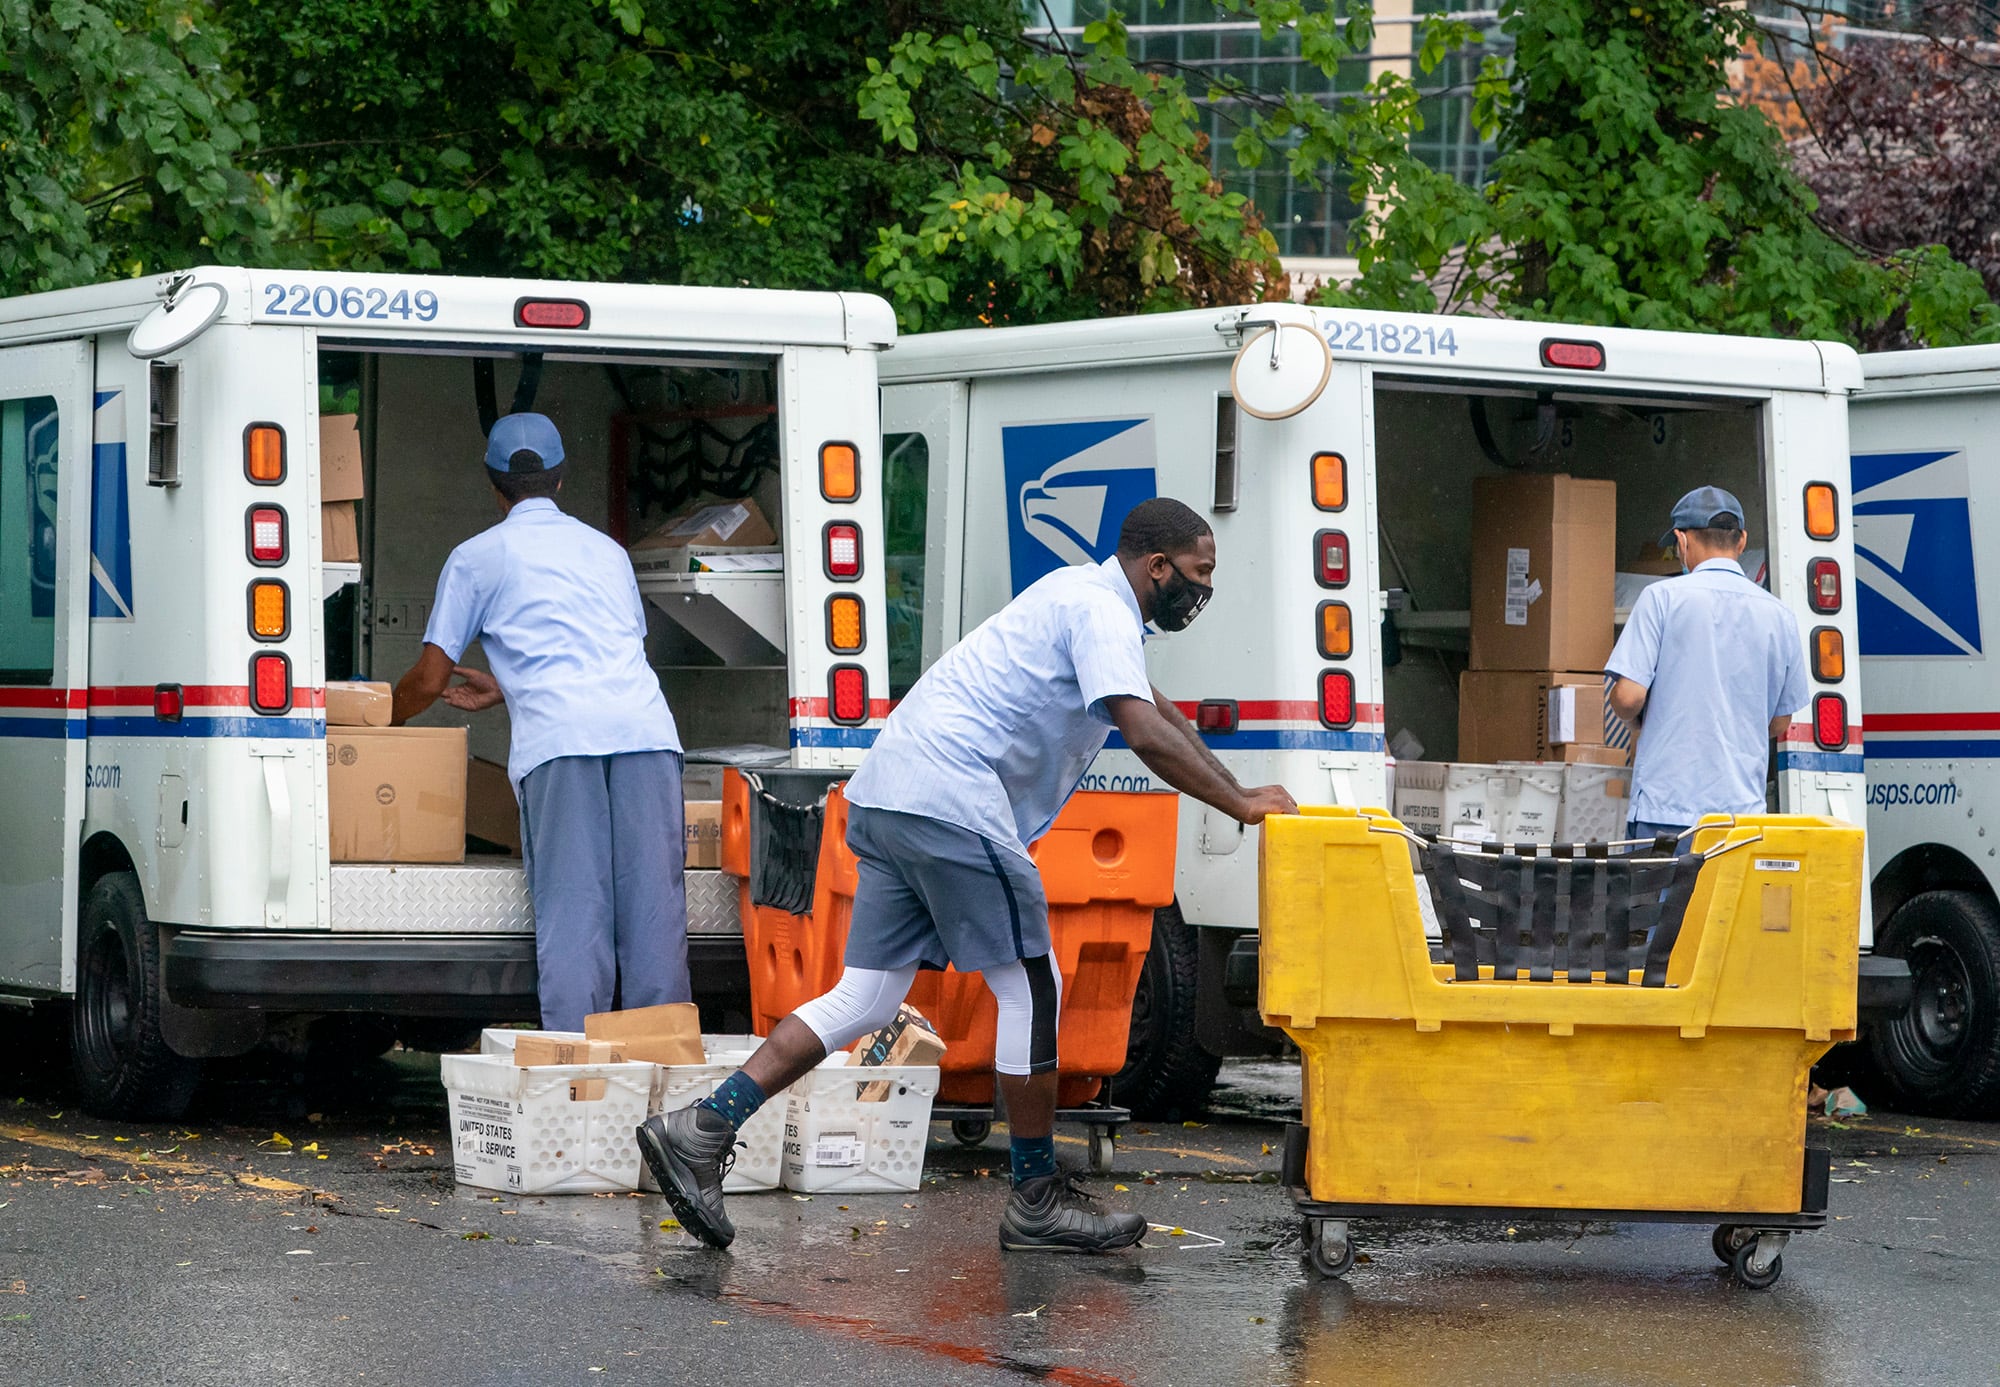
1280, 371
177, 323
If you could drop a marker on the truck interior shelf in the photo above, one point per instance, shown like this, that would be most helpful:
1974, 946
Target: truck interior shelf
335, 576
739, 616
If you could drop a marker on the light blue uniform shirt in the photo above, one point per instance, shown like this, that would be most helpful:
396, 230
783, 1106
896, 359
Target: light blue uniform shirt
1719, 658
996, 735
554, 605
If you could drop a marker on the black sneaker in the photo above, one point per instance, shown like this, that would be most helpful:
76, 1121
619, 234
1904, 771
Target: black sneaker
1052, 1213
689, 1151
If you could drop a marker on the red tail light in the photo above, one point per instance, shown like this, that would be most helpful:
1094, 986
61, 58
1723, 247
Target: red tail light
1823, 585
1830, 721
266, 536
843, 550
271, 684
847, 694
1330, 563
1336, 698
1216, 715
1572, 356
168, 702
551, 313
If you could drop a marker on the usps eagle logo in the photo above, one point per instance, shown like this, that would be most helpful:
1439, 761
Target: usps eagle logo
1913, 554
1069, 486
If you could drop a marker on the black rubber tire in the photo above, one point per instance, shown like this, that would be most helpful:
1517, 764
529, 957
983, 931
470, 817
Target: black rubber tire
1941, 1058
1330, 1267
1723, 1242
971, 1131
1739, 1267
124, 1068
1167, 1074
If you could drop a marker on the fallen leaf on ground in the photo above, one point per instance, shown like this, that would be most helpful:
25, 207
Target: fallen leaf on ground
277, 1139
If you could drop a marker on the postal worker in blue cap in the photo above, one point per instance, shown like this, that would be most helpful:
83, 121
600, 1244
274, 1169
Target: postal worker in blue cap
1710, 669
596, 759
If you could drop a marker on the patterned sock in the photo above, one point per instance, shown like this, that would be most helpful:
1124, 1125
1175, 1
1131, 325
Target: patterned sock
1032, 1157
736, 1099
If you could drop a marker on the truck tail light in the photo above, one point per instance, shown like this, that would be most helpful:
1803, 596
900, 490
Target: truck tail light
1329, 481
1830, 721
1823, 585
1572, 356
847, 694
565, 313
271, 683
1829, 655
839, 471
1336, 698
1336, 631
264, 454
270, 610
169, 702
1217, 716
1822, 511
844, 629
843, 550
266, 537
1330, 561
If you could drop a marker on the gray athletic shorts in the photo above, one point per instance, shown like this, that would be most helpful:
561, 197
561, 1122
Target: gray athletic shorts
933, 893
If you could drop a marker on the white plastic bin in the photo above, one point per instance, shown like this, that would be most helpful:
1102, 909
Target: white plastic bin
760, 1156
1419, 795
1510, 803
837, 1144
555, 1129
1597, 801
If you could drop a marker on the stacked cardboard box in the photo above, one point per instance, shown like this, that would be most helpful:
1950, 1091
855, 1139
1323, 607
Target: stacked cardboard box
340, 488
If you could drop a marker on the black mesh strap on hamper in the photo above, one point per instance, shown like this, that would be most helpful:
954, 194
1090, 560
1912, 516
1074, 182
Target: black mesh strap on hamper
1549, 911
784, 848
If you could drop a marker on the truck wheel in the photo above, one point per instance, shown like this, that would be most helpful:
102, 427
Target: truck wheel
1167, 1074
124, 1068
1941, 1058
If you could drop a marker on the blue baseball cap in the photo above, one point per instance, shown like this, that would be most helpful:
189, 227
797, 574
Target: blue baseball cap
523, 443
1705, 508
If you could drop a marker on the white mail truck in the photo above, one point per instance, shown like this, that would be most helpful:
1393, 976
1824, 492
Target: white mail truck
1925, 433
1335, 452
174, 601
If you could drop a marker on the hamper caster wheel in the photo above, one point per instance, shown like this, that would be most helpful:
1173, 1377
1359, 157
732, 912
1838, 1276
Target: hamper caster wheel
1725, 1240
971, 1131
1103, 1150
1328, 1247
1757, 1264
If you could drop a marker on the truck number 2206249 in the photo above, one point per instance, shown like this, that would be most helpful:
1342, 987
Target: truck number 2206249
300, 301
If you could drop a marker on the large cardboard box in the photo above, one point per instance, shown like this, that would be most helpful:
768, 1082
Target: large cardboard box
339, 458
359, 704
725, 525
396, 794
1504, 715
669, 1034
339, 533
1544, 560
491, 811
702, 827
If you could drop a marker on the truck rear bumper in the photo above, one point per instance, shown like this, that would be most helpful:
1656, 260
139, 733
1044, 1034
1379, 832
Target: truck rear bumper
488, 977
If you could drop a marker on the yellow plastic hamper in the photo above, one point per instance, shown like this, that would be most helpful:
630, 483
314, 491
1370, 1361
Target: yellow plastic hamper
1427, 1095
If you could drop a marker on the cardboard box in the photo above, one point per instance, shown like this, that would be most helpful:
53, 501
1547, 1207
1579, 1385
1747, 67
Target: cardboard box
359, 704
725, 525
1509, 716
535, 1049
396, 794
1544, 555
907, 1040
669, 1034
339, 533
1577, 754
1419, 795
491, 811
702, 827
339, 458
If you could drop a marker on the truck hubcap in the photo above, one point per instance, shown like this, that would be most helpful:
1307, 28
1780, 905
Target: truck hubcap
1942, 998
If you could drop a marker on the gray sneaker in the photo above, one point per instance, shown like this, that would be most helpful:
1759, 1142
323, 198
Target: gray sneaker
689, 1151
1052, 1213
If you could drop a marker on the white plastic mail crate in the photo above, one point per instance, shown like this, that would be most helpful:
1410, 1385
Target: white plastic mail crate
555, 1129
836, 1143
760, 1151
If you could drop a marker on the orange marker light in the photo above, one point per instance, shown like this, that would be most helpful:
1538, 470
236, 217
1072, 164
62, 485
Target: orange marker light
1329, 481
1822, 511
843, 624
264, 454
270, 619
839, 471
1829, 655
1336, 631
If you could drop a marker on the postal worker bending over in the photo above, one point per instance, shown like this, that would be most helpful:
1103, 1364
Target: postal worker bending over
972, 767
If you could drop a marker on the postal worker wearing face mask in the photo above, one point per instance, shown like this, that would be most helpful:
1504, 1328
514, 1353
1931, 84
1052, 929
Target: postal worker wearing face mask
971, 768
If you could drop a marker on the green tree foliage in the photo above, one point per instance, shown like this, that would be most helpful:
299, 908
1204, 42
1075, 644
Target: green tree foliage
1628, 189
122, 134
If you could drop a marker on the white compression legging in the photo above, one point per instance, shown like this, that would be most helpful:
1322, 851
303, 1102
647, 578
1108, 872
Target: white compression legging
1028, 992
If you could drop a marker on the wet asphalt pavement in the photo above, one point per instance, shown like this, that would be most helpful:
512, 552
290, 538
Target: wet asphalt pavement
304, 1228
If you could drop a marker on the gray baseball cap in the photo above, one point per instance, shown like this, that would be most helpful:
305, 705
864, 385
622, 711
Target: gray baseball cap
1704, 508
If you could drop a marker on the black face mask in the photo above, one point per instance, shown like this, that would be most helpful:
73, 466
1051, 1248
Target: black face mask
1179, 600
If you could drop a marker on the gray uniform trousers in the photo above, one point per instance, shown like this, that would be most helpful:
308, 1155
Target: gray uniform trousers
602, 839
